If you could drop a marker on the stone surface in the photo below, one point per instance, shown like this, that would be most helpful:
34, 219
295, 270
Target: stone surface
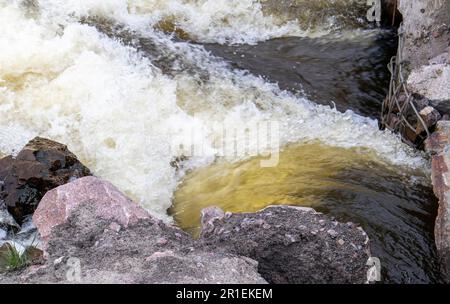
433, 83
443, 58
439, 146
426, 25
41, 166
6, 220
430, 117
109, 203
85, 250
291, 244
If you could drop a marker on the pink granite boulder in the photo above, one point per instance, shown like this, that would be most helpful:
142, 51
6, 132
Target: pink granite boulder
109, 204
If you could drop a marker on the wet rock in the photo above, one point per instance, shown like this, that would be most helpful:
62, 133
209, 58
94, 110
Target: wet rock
303, 247
439, 146
41, 166
108, 203
84, 250
7, 222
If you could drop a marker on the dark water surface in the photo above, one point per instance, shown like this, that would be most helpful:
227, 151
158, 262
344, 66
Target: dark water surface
349, 71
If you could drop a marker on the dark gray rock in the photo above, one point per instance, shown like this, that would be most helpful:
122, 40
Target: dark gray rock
41, 166
292, 245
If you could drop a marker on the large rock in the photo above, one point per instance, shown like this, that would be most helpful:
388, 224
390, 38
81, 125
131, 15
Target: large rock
439, 146
291, 244
108, 203
41, 166
427, 29
118, 242
426, 50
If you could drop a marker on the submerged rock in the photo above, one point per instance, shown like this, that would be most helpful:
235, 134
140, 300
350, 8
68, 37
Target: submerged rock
291, 244
41, 166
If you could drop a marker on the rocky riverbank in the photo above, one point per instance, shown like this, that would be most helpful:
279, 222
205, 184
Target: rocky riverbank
439, 146
419, 92
419, 101
90, 232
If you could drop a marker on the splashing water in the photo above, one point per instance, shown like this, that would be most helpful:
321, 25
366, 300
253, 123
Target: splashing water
118, 111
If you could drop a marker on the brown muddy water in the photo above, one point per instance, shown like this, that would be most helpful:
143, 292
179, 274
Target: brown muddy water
394, 205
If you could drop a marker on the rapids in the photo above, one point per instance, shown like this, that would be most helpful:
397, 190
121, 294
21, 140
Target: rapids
130, 99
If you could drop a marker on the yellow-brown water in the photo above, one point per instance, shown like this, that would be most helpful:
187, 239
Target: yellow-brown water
349, 184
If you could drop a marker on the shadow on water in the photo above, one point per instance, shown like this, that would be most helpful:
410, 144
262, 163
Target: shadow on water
349, 71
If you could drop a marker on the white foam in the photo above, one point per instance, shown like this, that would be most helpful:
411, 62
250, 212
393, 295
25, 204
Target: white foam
118, 112
222, 21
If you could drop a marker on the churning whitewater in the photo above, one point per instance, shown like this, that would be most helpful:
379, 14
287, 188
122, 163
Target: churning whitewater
119, 108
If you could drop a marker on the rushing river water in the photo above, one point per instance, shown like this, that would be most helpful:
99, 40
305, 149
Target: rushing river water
107, 79
348, 71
